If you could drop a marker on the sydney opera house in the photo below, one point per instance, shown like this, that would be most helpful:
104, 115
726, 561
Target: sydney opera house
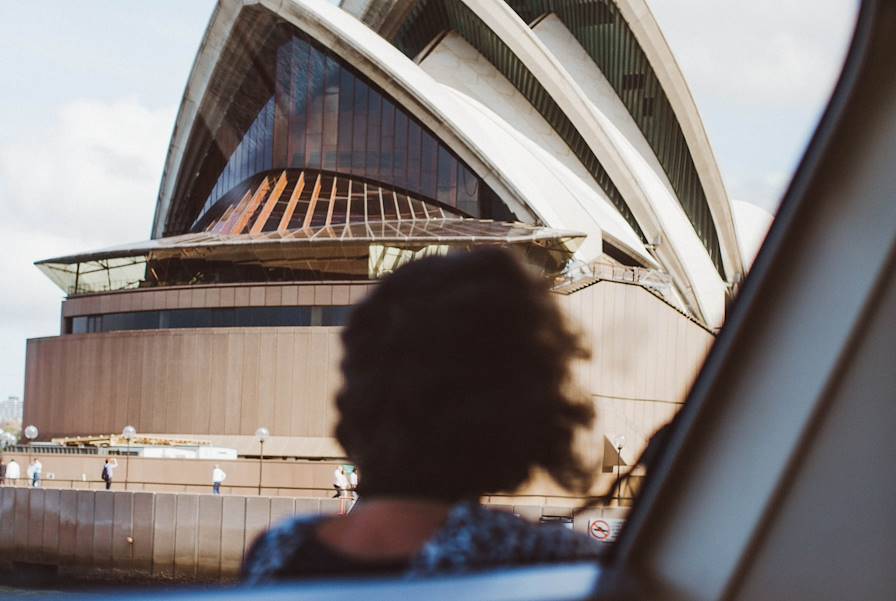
319, 146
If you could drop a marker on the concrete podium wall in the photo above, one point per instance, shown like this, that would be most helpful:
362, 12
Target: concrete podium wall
166, 536
228, 381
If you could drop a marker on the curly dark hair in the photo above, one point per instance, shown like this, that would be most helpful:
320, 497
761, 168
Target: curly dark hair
457, 381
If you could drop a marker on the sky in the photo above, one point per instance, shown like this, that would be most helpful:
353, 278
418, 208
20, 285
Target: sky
89, 91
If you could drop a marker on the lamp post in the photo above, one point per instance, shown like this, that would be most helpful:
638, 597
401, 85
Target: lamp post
618, 443
31, 433
262, 435
128, 433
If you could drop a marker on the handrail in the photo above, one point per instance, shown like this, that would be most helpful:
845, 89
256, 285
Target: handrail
139, 486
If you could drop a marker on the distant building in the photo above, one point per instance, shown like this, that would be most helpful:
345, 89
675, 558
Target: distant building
11, 409
318, 148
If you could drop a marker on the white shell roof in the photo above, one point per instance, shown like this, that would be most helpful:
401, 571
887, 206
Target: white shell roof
534, 184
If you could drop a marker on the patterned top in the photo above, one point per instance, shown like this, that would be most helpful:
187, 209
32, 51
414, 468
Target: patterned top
472, 538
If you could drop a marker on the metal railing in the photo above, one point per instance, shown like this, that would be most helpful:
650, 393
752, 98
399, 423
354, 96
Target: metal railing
42, 449
317, 492
579, 274
48, 482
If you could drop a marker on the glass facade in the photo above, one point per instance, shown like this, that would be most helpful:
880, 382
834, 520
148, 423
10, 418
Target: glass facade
320, 114
252, 155
313, 199
246, 317
312, 253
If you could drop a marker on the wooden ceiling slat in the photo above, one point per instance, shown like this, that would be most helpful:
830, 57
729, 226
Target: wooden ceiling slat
269, 204
251, 214
364, 197
314, 196
332, 204
222, 223
243, 220
395, 200
411, 205
348, 204
291, 205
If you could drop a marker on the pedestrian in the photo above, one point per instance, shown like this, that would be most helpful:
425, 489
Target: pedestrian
109, 471
13, 471
37, 469
218, 476
340, 482
353, 482
29, 472
2, 472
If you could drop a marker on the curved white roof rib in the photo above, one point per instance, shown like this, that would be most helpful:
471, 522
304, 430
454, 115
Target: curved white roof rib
216, 33
652, 41
455, 63
648, 196
690, 260
585, 213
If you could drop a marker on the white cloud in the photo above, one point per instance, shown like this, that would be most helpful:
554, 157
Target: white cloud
91, 175
761, 72
88, 178
758, 52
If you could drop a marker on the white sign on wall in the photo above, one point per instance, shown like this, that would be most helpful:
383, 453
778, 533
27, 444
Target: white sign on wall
605, 530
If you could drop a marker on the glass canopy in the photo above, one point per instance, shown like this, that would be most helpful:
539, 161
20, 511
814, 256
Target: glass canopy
356, 251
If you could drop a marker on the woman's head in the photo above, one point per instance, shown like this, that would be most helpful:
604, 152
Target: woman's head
457, 381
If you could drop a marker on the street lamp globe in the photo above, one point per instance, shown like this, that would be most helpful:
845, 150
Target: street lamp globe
262, 434
619, 441
129, 433
31, 432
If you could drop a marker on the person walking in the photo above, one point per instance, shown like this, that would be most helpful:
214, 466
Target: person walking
353, 482
340, 482
218, 476
37, 469
109, 471
2, 473
13, 471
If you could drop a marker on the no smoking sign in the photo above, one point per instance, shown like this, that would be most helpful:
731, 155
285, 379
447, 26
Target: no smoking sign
605, 530
600, 530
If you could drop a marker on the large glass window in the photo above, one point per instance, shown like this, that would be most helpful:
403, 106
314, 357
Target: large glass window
236, 317
322, 114
252, 155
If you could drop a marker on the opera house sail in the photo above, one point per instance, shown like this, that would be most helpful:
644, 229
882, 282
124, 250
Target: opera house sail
319, 147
